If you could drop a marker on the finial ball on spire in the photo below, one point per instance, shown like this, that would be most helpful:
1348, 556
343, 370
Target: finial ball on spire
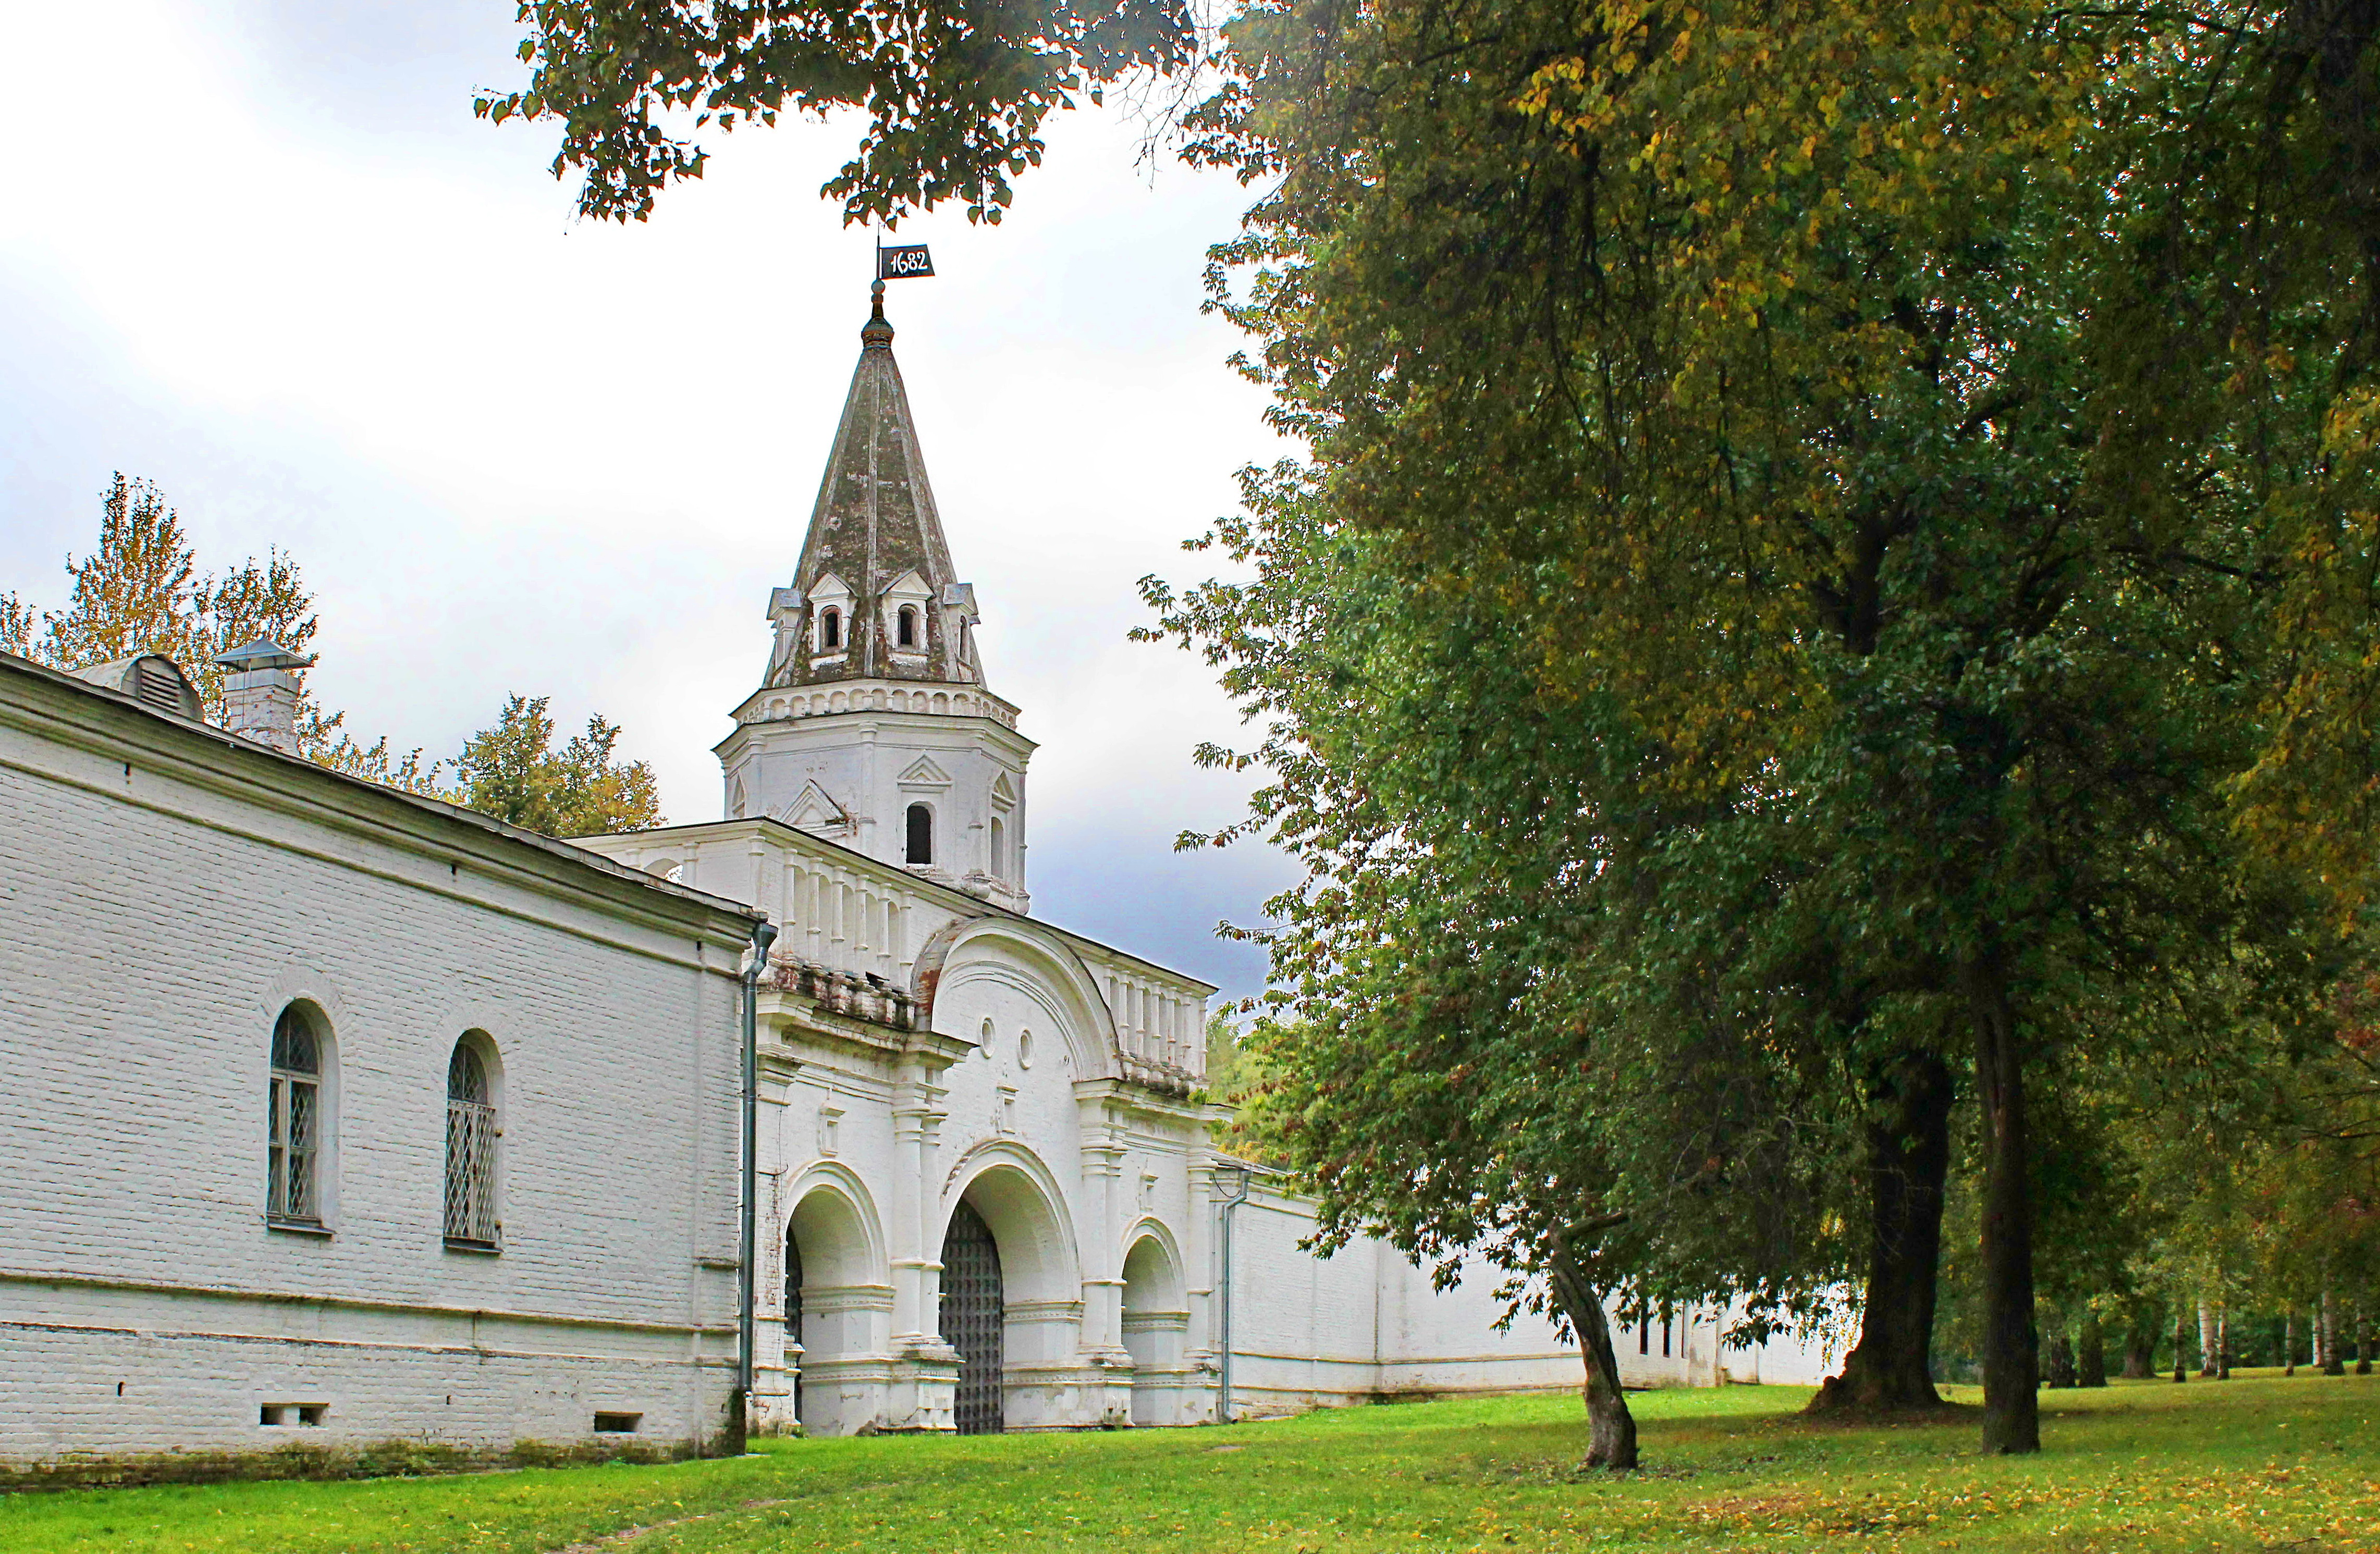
876, 334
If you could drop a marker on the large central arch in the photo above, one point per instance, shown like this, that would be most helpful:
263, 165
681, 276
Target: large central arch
974, 1315
1009, 1187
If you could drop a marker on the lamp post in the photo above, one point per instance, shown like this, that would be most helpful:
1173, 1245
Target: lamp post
1232, 1177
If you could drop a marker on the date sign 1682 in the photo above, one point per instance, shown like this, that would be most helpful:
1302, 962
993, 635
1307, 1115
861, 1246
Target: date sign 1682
895, 264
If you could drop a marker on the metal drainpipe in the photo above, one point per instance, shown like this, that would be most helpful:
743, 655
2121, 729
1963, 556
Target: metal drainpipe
764, 933
1223, 1380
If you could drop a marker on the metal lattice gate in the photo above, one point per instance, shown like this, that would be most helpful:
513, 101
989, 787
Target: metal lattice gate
973, 1309
794, 1355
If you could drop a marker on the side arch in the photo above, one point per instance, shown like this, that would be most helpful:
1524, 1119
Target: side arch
836, 1301
1151, 1233
852, 1232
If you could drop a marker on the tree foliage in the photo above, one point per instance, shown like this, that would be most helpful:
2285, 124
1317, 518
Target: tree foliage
1802, 412
513, 772
954, 94
140, 591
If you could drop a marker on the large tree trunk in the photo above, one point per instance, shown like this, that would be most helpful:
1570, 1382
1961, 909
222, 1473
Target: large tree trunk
1612, 1429
2289, 1341
1908, 1161
2333, 1361
2011, 1355
2223, 1341
2091, 1352
2362, 1340
2181, 1345
2139, 1343
2210, 1353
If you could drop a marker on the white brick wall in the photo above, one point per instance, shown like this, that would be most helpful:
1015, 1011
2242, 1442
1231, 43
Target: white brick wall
163, 892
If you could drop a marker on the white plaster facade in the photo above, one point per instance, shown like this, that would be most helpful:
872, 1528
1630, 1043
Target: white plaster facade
848, 763
921, 1046
167, 892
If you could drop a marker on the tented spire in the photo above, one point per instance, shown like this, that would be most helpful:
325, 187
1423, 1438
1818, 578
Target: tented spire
875, 597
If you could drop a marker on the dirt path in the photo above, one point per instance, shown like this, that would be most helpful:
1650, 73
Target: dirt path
611, 1541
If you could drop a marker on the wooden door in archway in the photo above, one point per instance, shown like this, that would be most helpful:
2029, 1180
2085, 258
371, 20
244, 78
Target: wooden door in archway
973, 1309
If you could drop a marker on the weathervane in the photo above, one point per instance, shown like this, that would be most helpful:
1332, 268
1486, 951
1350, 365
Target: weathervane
897, 264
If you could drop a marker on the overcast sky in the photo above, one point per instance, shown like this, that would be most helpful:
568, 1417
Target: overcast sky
267, 258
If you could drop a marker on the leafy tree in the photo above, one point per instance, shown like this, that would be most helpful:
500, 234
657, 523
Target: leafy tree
1739, 377
1472, 1050
1928, 450
513, 772
955, 94
140, 591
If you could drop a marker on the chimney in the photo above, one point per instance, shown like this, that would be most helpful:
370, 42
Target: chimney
261, 693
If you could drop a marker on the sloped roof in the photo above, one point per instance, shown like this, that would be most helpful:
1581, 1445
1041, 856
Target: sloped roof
874, 523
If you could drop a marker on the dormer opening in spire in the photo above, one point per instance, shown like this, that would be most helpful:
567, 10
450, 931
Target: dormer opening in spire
874, 680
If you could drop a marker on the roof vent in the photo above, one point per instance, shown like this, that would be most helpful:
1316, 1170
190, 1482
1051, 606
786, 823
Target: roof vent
154, 680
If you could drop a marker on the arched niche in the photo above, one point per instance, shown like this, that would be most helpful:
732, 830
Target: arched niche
1156, 1323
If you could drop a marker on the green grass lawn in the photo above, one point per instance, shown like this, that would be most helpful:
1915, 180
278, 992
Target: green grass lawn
2257, 1462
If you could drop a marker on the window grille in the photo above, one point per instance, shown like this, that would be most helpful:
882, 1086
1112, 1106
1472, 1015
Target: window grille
295, 1125
470, 1150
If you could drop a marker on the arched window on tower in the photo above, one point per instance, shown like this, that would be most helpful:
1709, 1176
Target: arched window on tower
470, 1148
905, 627
921, 835
830, 630
999, 848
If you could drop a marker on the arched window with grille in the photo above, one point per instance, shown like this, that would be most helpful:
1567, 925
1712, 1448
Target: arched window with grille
921, 834
831, 630
905, 627
293, 1172
471, 1145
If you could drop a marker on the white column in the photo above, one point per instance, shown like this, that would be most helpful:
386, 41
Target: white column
917, 1266
1101, 1228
